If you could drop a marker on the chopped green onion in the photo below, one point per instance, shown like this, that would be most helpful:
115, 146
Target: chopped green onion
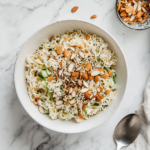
55, 50
50, 94
44, 83
50, 68
40, 75
67, 116
60, 87
85, 111
96, 104
46, 111
44, 74
74, 37
98, 59
114, 90
97, 51
52, 99
114, 78
106, 69
43, 67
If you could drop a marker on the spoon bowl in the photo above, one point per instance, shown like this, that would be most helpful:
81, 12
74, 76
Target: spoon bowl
127, 130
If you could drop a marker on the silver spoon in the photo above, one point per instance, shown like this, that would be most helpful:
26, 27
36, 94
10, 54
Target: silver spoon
127, 130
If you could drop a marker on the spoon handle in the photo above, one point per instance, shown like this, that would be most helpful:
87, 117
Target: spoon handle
119, 147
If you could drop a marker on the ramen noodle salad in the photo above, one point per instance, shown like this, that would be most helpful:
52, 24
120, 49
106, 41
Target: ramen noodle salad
71, 76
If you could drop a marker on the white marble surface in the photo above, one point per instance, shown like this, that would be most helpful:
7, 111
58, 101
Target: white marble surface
19, 19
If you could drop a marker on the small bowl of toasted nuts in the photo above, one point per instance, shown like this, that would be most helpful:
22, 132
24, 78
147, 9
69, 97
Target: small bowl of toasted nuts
134, 14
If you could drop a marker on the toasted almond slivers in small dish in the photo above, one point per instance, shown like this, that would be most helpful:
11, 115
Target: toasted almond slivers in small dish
133, 10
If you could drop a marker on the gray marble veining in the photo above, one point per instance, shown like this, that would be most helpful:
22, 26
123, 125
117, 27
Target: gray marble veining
19, 19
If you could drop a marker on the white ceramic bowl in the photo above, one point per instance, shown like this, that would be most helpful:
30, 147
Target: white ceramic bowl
34, 42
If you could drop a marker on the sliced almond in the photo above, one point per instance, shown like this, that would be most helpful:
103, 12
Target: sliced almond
75, 74
88, 66
56, 76
54, 53
96, 78
84, 90
65, 99
144, 20
91, 96
86, 55
73, 34
71, 66
99, 89
146, 17
86, 95
105, 76
76, 89
41, 110
67, 90
135, 5
85, 84
59, 50
60, 63
98, 98
54, 95
129, 9
74, 60
123, 14
91, 84
95, 73
66, 54
79, 68
132, 18
107, 92
85, 76
140, 19
70, 91
70, 96
143, 9
87, 37
139, 14
67, 73
81, 54
73, 56
132, 23
84, 107
52, 38
60, 72
73, 94
74, 78
80, 82
50, 78
72, 102
139, 6
119, 5
58, 103
90, 77
126, 19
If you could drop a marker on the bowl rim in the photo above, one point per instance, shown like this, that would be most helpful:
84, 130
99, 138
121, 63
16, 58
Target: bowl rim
54, 22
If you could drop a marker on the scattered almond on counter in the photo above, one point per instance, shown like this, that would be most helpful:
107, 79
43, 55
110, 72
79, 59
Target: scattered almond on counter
74, 9
93, 16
